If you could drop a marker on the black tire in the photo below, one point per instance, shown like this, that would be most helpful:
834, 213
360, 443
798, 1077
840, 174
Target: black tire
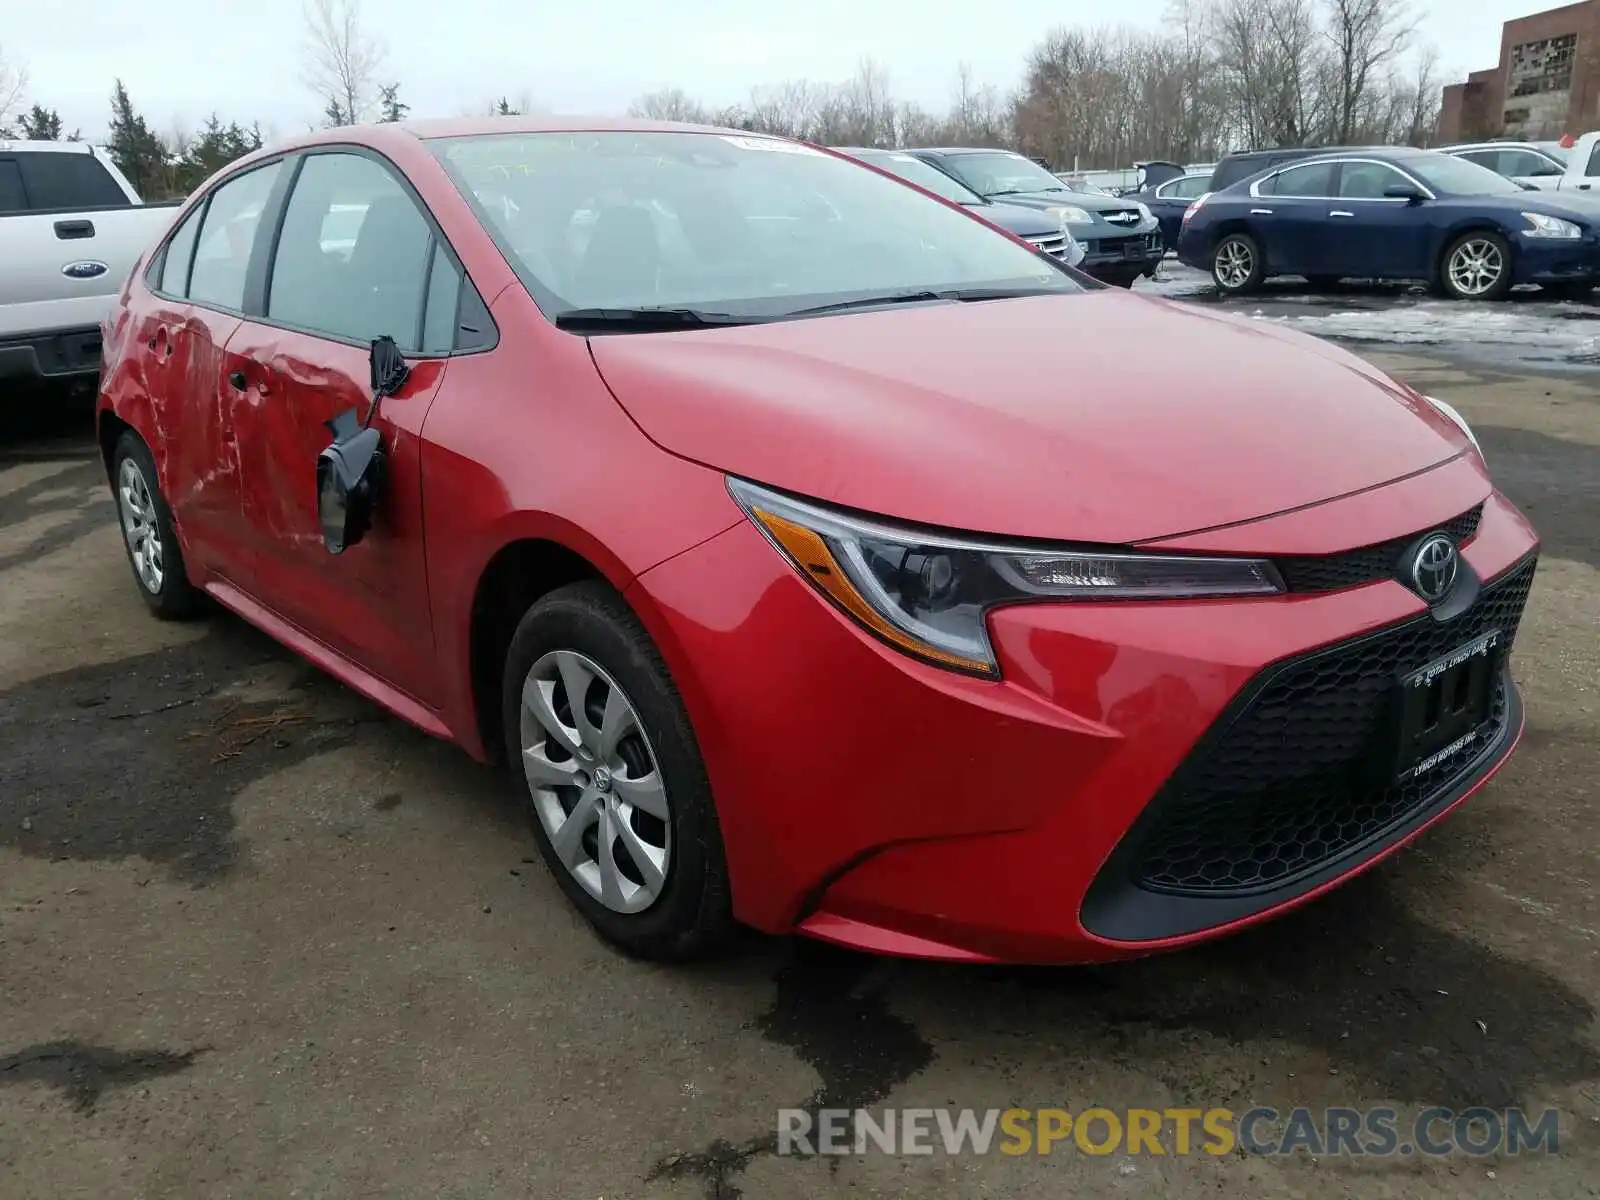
691, 916
172, 596
1229, 280
1498, 290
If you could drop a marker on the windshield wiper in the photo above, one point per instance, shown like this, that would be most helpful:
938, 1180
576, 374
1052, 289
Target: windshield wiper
643, 320
925, 296
1026, 191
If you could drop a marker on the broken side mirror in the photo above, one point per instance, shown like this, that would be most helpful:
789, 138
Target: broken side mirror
350, 469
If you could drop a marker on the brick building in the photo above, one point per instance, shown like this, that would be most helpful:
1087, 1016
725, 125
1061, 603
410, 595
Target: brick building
1546, 84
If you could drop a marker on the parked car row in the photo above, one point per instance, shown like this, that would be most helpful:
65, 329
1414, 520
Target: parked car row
1442, 217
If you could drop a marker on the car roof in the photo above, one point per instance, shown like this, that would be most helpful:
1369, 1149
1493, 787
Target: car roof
966, 150
446, 127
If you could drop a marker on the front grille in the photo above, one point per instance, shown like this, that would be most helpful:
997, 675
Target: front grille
1352, 568
1122, 216
1297, 773
1053, 244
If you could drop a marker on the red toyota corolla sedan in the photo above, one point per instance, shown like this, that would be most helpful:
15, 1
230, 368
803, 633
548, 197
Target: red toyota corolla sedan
819, 557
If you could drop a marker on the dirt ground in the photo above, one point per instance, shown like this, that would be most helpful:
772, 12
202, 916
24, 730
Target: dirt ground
259, 939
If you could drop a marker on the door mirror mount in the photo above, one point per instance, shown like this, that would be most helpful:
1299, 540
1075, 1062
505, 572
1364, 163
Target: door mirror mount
1409, 192
350, 468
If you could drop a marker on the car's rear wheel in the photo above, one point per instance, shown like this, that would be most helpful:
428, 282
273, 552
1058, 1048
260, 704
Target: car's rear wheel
617, 790
1236, 264
148, 534
1476, 266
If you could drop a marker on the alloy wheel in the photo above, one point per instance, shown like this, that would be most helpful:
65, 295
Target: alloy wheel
139, 526
597, 790
1476, 266
1234, 264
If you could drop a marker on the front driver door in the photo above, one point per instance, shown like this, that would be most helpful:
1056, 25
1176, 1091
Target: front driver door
307, 360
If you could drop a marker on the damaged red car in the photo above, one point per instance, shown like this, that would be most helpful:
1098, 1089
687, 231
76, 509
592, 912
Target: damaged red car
816, 556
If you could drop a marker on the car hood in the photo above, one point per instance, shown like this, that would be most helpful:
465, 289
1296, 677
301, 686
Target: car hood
1017, 218
1087, 201
1098, 417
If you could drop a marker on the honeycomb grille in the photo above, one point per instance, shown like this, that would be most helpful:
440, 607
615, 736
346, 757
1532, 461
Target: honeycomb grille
1351, 568
1298, 775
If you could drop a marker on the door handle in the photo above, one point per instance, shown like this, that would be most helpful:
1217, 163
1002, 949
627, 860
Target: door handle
1260, 212
237, 379
69, 230
1583, 187
1339, 212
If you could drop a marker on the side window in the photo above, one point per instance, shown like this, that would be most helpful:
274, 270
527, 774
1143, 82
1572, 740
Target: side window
1191, 187
222, 253
175, 263
1366, 180
1526, 164
1314, 179
352, 260
12, 197
1484, 158
61, 179
1594, 161
444, 298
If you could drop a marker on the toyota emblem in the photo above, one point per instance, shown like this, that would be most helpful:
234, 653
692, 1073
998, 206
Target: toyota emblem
1434, 569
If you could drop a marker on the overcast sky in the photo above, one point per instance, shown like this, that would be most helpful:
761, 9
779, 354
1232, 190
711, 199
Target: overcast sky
182, 59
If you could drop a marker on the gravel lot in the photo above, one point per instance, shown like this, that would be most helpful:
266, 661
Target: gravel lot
258, 938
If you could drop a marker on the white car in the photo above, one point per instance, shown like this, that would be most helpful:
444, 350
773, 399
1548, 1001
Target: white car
1547, 166
71, 228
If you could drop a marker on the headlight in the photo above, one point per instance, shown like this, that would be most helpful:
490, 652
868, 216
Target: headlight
1072, 214
927, 593
1545, 226
1448, 411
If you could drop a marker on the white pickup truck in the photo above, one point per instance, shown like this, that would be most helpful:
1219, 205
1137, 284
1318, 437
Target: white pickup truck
71, 228
1547, 166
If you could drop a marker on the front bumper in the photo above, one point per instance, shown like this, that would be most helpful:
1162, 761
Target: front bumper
1557, 260
877, 802
1119, 253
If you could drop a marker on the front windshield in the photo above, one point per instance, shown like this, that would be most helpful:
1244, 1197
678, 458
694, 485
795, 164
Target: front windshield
1084, 188
912, 169
1556, 151
1000, 172
750, 226
1448, 175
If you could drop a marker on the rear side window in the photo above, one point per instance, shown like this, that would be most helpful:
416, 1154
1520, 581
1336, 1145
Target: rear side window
12, 198
1594, 161
1314, 179
1526, 164
353, 255
174, 279
227, 234
65, 180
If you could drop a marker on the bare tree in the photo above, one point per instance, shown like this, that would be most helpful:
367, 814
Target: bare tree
1366, 36
669, 104
342, 59
13, 82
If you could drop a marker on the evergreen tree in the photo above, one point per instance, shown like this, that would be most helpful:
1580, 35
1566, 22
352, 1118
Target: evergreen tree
40, 124
137, 151
390, 105
216, 146
504, 109
334, 115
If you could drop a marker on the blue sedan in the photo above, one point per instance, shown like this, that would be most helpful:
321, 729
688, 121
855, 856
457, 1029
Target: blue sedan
1393, 214
1170, 200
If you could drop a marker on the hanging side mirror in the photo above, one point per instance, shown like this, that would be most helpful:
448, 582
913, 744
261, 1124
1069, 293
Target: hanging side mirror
350, 468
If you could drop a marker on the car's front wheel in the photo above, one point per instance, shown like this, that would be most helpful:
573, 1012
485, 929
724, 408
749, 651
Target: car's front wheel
1236, 264
617, 789
1476, 266
148, 534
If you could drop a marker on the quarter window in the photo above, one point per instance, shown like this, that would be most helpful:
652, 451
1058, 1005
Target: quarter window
1594, 161
227, 235
175, 264
1313, 179
1366, 180
353, 256
444, 299
12, 198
